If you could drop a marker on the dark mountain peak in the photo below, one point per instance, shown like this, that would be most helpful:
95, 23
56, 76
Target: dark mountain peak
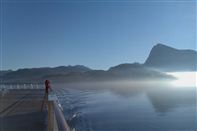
125, 66
82, 67
162, 47
75, 67
171, 59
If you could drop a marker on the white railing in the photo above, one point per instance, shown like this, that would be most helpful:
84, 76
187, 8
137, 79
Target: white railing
56, 120
20, 86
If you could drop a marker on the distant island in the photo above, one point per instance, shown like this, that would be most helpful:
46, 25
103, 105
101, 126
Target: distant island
161, 58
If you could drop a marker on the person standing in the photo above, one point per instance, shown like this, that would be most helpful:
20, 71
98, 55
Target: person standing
47, 87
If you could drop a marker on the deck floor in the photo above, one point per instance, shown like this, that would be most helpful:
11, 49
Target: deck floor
20, 110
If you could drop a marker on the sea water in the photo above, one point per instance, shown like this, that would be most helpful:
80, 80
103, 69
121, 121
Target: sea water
128, 107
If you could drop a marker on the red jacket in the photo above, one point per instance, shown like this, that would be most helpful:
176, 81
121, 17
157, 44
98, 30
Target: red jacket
47, 86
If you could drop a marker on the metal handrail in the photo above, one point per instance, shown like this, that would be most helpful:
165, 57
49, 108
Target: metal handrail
62, 124
57, 113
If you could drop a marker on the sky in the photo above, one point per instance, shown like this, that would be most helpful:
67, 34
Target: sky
97, 34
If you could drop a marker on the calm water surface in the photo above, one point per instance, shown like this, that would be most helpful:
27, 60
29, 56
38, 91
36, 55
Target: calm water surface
119, 107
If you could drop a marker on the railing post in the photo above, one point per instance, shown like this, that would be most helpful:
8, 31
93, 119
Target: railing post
32, 86
11, 86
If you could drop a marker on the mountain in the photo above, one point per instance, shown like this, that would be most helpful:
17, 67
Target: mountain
4, 72
136, 71
161, 58
65, 74
38, 74
166, 58
128, 71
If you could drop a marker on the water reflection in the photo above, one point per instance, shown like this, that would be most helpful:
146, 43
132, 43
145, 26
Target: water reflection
165, 100
124, 106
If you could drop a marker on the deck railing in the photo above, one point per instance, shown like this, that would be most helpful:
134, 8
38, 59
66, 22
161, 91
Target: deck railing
20, 86
56, 120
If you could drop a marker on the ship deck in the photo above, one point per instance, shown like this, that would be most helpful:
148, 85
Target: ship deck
20, 110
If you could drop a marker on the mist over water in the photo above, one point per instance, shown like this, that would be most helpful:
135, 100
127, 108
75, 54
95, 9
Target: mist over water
126, 106
184, 79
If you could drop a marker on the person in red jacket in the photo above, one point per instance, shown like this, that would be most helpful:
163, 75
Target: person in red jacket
47, 87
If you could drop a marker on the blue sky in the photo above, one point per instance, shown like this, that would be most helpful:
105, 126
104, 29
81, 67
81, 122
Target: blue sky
92, 33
